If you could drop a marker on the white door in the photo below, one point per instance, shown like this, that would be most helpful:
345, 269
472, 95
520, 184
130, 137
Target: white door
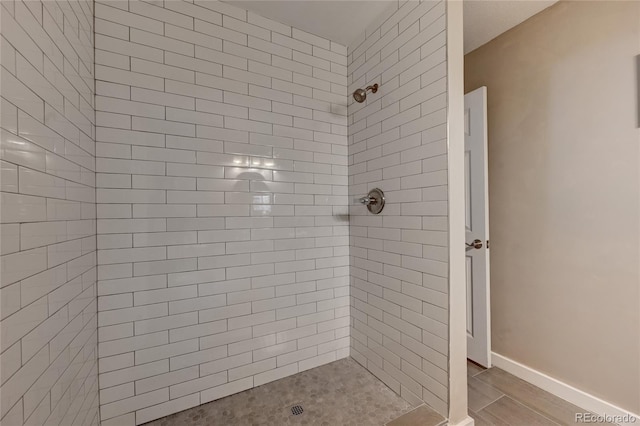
477, 227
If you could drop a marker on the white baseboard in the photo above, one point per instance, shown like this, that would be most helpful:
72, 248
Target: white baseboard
468, 421
562, 390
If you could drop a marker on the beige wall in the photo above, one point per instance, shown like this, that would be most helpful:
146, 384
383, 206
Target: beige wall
564, 194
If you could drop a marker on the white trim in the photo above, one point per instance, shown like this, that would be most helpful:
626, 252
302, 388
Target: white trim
465, 422
562, 390
455, 156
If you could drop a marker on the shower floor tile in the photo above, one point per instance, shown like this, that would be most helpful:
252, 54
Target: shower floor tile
339, 393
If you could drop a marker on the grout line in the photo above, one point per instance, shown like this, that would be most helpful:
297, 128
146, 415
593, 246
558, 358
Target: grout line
414, 409
517, 401
486, 405
410, 411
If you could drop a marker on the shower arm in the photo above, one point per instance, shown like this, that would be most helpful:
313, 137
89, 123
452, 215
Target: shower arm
373, 88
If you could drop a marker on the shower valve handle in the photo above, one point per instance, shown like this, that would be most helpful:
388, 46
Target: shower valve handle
374, 201
368, 200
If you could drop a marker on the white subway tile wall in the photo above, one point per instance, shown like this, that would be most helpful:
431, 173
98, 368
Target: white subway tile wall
48, 317
399, 261
222, 165
222, 204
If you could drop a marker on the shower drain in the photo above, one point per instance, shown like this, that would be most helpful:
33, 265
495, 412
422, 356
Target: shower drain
296, 410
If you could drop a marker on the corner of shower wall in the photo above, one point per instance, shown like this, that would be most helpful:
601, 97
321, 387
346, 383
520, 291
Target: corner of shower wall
399, 258
48, 309
222, 204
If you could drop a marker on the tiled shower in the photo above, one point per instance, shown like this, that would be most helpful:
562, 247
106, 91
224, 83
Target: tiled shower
179, 206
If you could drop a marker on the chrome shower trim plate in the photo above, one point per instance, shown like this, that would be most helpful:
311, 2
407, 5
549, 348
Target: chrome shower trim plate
374, 201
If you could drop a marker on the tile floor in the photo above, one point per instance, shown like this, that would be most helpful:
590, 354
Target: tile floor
339, 393
499, 398
344, 393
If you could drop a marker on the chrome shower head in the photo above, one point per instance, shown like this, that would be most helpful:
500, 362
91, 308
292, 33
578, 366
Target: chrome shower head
360, 95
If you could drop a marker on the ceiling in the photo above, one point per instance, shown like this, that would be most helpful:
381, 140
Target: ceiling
339, 21
344, 20
485, 20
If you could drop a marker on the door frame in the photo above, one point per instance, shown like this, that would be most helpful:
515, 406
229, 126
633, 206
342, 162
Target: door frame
458, 409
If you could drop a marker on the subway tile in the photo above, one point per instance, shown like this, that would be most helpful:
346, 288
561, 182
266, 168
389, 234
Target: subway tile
36, 82
128, 48
137, 402
143, 67
40, 184
135, 343
144, 355
219, 58
163, 266
251, 369
240, 336
115, 393
185, 60
162, 98
192, 37
246, 52
15, 34
111, 29
217, 108
160, 14
196, 90
197, 385
50, 100
129, 19
138, 109
226, 389
403, 158
166, 408
218, 30
163, 380
198, 357
18, 384
291, 65
128, 137
292, 43
128, 78
163, 126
